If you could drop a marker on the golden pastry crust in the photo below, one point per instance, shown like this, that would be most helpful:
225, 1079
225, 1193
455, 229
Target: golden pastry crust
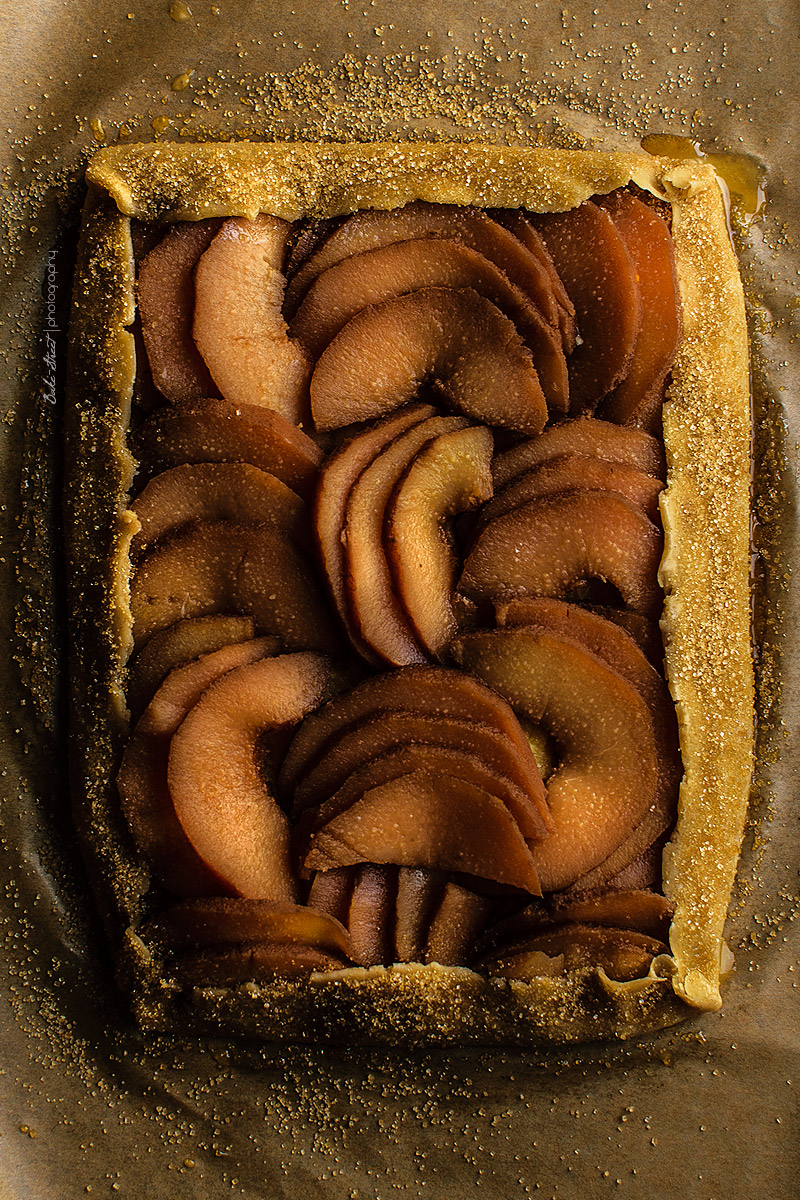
704, 572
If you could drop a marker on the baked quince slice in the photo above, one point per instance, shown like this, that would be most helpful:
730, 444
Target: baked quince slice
369, 278
217, 492
215, 779
225, 567
637, 399
371, 229
550, 546
418, 895
142, 779
570, 472
371, 915
230, 920
623, 954
600, 277
330, 892
449, 337
373, 609
216, 431
424, 691
459, 917
178, 644
450, 475
607, 774
336, 478
432, 821
517, 223
587, 436
165, 295
238, 324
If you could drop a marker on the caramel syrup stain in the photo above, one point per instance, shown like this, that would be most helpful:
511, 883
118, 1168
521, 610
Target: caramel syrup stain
740, 177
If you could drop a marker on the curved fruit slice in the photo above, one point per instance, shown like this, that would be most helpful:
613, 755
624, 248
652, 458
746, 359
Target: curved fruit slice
238, 325
458, 920
142, 779
371, 916
451, 337
178, 644
600, 277
373, 609
582, 435
549, 546
421, 691
216, 431
374, 276
450, 475
427, 820
254, 962
460, 761
230, 920
623, 954
607, 776
165, 294
568, 472
637, 399
642, 911
407, 736
370, 229
330, 892
215, 779
222, 567
418, 896
516, 222
216, 492
336, 479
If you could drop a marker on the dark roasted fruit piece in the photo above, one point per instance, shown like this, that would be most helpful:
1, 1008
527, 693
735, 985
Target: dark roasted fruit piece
458, 919
216, 431
215, 777
607, 774
371, 915
623, 954
582, 435
452, 338
229, 921
238, 324
550, 546
600, 277
517, 223
637, 399
165, 295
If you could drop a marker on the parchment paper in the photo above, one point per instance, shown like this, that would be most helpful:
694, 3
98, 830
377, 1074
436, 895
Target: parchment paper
707, 1112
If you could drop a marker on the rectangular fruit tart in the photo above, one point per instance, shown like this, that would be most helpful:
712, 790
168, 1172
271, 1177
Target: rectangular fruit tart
407, 514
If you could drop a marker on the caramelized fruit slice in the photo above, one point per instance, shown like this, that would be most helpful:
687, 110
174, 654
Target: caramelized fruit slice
450, 475
611, 644
455, 760
238, 325
421, 691
372, 607
460, 917
568, 472
549, 546
220, 566
370, 229
418, 894
427, 820
386, 733
165, 294
216, 492
600, 277
371, 915
642, 911
637, 399
451, 337
336, 478
177, 644
230, 920
214, 775
623, 954
142, 778
330, 892
607, 775
254, 962
582, 435
216, 431
516, 222
361, 280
